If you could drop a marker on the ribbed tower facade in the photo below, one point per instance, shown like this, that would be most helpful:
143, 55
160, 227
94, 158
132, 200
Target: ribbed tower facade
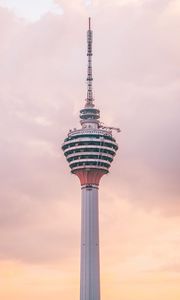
90, 151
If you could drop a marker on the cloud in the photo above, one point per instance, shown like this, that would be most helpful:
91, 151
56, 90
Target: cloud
43, 69
32, 10
157, 6
174, 268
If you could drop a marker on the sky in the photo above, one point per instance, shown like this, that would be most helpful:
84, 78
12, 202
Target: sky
136, 66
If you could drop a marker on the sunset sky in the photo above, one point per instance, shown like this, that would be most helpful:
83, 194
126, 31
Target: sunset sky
42, 88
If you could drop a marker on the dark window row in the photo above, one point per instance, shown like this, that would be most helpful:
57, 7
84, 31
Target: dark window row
85, 117
90, 150
85, 110
101, 164
89, 157
89, 143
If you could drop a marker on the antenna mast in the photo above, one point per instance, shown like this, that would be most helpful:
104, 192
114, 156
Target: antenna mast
89, 100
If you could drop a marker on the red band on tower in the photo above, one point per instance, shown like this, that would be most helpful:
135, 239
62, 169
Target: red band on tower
90, 176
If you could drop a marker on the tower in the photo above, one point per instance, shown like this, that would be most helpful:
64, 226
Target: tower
90, 151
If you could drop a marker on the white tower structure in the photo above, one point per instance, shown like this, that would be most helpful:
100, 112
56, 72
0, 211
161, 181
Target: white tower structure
90, 151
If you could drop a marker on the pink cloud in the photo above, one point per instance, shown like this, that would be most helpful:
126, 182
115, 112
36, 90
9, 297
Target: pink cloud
136, 72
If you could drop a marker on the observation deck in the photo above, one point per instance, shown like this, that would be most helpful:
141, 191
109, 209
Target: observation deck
90, 149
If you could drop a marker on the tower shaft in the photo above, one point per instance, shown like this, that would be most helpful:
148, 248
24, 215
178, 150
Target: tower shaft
90, 266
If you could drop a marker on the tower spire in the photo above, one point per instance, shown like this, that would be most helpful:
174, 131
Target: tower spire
89, 23
89, 99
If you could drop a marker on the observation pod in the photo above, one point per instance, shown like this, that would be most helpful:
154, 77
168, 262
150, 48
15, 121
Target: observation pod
90, 151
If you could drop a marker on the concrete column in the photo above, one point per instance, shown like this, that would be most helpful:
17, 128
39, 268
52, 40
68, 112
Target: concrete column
90, 266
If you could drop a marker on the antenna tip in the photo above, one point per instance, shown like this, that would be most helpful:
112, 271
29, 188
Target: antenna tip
89, 23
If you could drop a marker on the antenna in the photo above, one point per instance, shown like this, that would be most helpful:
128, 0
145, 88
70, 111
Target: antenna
89, 23
89, 100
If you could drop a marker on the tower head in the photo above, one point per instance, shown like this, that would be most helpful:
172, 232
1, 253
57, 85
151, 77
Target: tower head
90, 150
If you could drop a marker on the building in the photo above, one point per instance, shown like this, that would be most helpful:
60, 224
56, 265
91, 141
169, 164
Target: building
90, 151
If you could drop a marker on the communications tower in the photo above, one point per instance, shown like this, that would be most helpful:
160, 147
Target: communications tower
90, 151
